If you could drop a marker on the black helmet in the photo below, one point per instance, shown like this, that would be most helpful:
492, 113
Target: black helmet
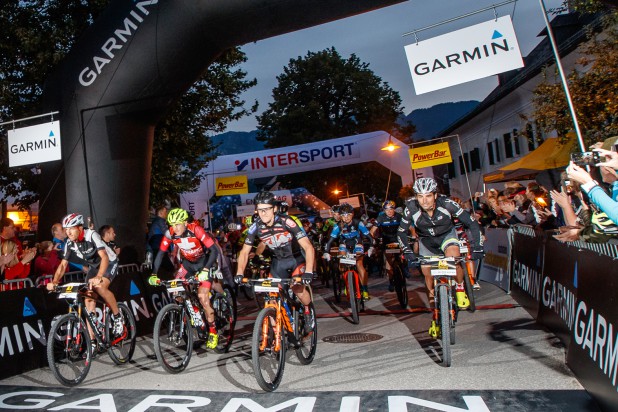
318, 219
346, 208
336, 208
283, 207
266, 198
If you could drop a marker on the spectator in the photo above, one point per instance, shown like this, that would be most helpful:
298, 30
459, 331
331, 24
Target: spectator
47, 260
108, 234
8, 232
157, 230
17, 268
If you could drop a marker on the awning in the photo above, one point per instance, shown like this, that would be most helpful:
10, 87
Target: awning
549, 155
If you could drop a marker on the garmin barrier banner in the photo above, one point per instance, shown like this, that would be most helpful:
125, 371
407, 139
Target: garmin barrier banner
464, 55
593, 351
558, 290
34, 144
495, 266
526, 271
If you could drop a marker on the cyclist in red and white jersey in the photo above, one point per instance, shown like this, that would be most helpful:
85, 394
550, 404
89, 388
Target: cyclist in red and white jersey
198, 254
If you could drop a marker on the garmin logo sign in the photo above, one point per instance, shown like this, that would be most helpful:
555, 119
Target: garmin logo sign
115, 42
34, 144
464, 55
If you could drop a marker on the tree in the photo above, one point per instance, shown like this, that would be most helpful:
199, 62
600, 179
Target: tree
592, 88
323, 96
37, 34
181, 145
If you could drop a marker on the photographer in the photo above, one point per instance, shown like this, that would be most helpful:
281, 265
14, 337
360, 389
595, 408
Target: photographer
597, 195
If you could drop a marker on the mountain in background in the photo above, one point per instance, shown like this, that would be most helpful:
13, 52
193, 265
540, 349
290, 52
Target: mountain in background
237, 142
430, 121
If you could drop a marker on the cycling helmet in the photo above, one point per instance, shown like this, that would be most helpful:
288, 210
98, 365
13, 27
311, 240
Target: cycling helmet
305, 221
177, 215
283, 207
388, 204
317, 220
346, 208
425, 185
72, 220
265, 198
336, 208
248, 220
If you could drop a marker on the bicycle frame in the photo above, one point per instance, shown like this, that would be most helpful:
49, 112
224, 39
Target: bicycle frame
347, 266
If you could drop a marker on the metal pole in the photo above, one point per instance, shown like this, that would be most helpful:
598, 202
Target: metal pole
465, 170
28, 118
388, 184
550, 33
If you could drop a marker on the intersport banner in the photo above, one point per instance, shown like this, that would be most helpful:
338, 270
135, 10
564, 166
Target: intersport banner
464, 55
526, 271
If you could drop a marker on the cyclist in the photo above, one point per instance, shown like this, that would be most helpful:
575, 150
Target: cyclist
331, 222
432, 216
85, 247
349, 232
387, 223
193, 243
284, 238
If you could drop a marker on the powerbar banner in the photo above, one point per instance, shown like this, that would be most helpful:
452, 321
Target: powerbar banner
425, 156
232, 185
34, 144
464, 55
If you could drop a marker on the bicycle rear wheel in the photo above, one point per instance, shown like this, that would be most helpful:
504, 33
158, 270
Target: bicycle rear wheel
399, 282
268, 350
225, 318
445, 323
469, 289
352, 292
307, 343
68, 350
173, 338
121, 347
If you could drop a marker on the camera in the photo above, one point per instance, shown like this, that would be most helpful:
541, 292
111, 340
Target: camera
567, 187
585, 158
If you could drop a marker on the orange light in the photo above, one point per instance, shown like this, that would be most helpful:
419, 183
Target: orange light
390, 146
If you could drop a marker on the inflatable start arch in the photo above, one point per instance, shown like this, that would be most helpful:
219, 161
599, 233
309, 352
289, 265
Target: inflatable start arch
123, 74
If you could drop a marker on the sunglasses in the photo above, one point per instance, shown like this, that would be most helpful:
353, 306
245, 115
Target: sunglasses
266, 209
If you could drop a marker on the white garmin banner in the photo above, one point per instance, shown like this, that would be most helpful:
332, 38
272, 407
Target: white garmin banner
464, 55
34, 144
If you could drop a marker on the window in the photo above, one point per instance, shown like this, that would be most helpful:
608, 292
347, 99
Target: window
490, 153
497, 150
462, 169
451, 170
516, 139
530, 136
475, 159
467, 160
508, 146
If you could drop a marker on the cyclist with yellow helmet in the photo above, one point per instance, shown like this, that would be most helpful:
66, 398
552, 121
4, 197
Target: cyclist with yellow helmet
193, 243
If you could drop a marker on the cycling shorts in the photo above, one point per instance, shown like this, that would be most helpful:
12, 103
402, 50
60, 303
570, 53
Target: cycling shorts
110, 273
283, 268
436, 245
191, 269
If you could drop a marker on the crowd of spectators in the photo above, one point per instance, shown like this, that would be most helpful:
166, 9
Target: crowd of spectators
578, 204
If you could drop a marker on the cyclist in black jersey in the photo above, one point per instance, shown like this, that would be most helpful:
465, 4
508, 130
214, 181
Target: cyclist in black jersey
386, 225
432, 216
285, 239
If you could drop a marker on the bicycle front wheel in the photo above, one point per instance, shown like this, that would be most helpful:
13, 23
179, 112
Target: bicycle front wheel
173, 338
399, 282
469, 289
68, 350
352, 292
225, 318
337, 282
445, 323
268, 350
121, 347
307, 342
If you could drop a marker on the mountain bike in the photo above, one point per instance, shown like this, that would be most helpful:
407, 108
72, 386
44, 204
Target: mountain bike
70, 348
279, 324
333, 270
443, 271
179, 322
257, 268
350, 279
399, 280
469, 273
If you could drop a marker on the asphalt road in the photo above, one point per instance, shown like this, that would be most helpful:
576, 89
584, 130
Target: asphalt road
502, 359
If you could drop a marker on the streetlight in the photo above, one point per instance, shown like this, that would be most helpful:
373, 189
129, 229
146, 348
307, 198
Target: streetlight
337, 191
390, 147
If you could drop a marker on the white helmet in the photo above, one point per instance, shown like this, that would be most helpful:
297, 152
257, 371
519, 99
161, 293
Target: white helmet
425, 185
72, 220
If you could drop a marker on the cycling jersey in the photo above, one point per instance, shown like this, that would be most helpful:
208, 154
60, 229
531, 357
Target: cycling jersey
85, 251
388, 226
279, 237
349, 233
192, 244
437, 225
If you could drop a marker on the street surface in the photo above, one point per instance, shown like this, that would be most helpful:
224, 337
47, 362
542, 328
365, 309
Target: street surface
502, 361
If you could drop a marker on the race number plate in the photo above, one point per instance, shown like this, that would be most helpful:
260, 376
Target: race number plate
263, 289
175, 286
443, 272
392, 250
463, 247
347, 261
69, 291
